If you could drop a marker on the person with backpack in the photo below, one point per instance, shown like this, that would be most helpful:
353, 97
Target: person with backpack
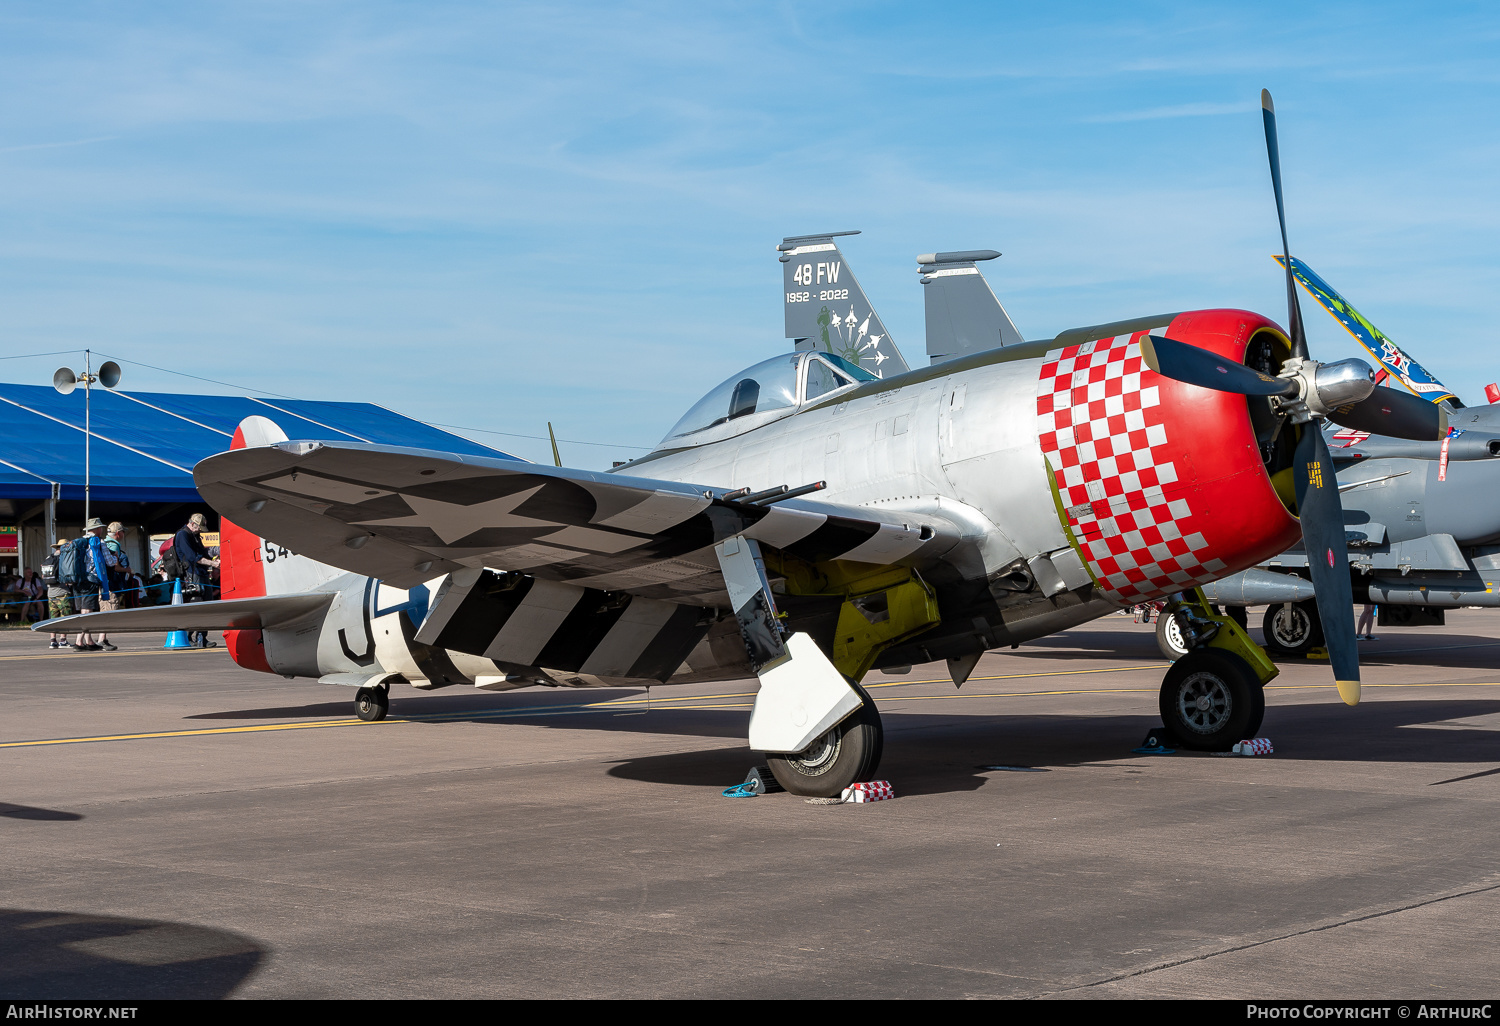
119, 571
59, 601
86, 561
193, 566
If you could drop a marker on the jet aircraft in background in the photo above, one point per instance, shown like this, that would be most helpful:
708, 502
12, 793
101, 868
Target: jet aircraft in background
963, 315
810, 519
1421, 524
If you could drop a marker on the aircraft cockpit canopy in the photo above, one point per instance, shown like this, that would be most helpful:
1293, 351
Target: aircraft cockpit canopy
758, 395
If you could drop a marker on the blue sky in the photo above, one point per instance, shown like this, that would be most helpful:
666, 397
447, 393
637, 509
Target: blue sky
498, 215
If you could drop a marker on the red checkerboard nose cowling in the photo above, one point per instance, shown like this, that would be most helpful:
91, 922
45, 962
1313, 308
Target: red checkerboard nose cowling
1161, 482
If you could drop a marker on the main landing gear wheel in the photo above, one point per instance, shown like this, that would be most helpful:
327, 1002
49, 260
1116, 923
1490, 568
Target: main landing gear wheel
371, 704
1169, 637
1210, 699
1291, 629
848, 753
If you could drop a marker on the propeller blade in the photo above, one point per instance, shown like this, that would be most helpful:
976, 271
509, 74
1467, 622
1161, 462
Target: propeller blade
1322, 517
1273, 152
1195, 366
1393, 413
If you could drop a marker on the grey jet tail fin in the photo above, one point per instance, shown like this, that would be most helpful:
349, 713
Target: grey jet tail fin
963, 313
826, 309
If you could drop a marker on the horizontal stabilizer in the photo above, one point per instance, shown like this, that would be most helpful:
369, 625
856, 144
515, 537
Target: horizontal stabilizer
259, 613
405, 516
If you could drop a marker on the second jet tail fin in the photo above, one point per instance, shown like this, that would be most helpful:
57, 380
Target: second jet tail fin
963, 313
826, 309
1393, 359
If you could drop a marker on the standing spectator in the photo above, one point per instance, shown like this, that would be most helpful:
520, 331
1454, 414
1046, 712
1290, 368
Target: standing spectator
36, 593
119, 571
87, 597
137, 590
1362, 630
14, 597
194, 564
59, 601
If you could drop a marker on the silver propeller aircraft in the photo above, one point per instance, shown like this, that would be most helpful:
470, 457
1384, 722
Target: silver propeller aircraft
808, 521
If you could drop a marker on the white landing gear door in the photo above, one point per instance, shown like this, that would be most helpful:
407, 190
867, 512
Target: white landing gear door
802, 695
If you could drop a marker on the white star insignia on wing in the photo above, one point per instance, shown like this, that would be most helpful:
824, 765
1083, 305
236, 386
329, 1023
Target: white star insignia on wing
452, 521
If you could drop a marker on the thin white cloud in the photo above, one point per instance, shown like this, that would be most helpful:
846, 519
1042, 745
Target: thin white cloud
1181, 110
56, 145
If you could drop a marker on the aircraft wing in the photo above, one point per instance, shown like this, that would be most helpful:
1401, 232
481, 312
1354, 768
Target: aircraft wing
219, 615
406, 516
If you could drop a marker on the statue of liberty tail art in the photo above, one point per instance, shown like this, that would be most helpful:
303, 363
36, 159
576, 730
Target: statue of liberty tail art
844, 341
1391, 356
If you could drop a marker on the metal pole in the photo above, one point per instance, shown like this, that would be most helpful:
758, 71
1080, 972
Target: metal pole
88, 428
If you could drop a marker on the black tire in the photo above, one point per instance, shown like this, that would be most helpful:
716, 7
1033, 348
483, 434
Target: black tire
371, 704
1239, 616
847, 754
1211, 699
1169, 637
1294, 631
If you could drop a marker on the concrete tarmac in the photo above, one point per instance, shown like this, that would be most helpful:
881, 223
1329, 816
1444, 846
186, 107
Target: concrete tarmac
177, 826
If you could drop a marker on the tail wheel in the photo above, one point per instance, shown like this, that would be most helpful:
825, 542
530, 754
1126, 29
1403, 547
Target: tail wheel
371, 704
1292, 628
1210, 699
848, 753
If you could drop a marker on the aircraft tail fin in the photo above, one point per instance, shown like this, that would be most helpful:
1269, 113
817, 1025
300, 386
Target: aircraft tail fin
963, 313
1392, 358
249, 566
827, 310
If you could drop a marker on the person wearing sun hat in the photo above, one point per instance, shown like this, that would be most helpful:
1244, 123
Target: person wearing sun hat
119, 570
87, 597
59, 599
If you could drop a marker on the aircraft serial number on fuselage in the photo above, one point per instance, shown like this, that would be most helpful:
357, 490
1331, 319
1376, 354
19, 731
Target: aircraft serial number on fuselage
275, 552
826, 296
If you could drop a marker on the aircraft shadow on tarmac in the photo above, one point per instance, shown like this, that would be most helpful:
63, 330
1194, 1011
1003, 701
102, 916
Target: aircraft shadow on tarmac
722, 767
32, 812
1393, 648
548, 708
52, 955
935, 753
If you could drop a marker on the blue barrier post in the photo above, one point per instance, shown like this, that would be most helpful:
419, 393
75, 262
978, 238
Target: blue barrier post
177, 639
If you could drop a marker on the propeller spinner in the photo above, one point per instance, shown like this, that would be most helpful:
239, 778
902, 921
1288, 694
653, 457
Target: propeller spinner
1307, 392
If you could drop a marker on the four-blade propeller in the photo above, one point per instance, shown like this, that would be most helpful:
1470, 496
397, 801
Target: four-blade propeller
1306, 393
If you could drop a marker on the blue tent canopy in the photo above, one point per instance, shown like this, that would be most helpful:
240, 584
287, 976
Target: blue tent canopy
146, 443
